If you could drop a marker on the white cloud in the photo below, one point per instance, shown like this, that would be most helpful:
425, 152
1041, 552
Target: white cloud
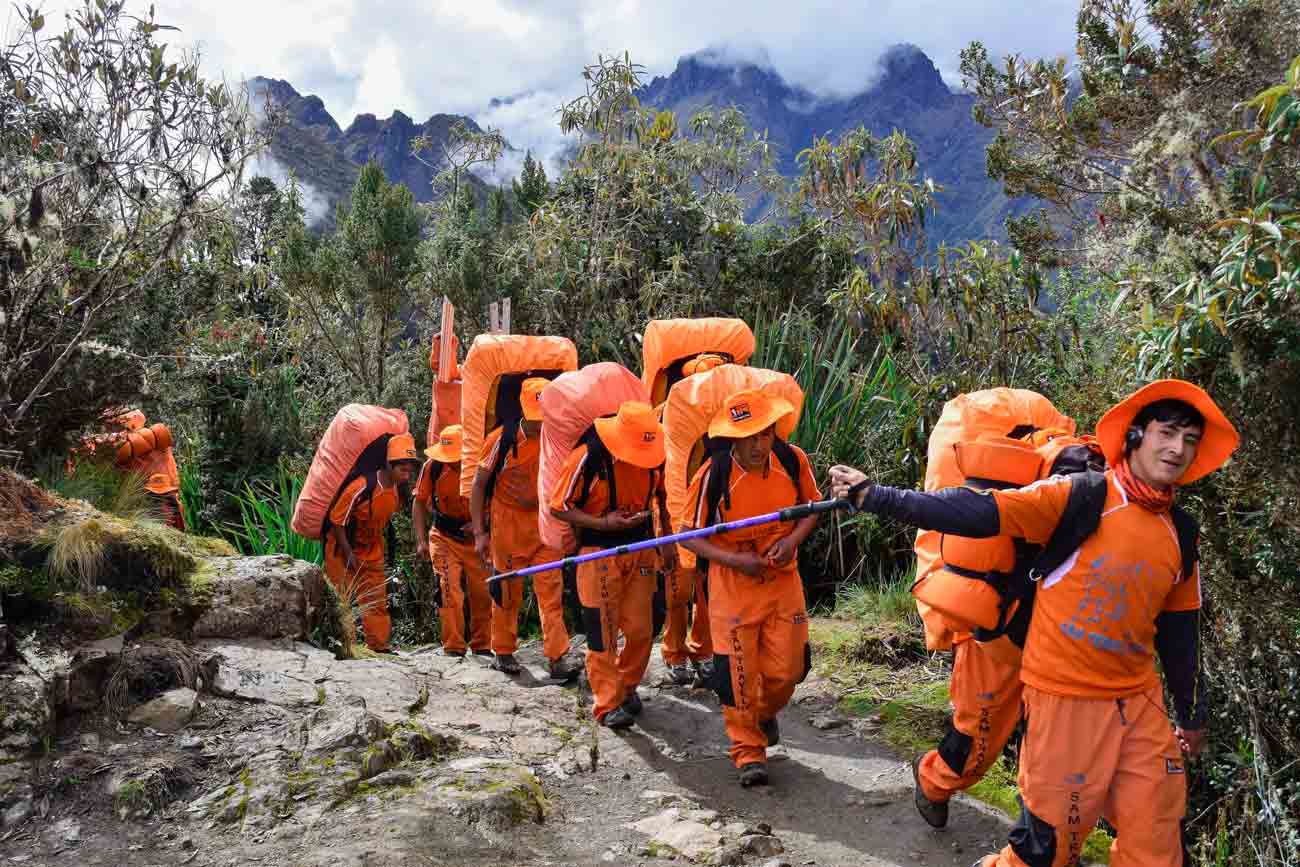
427, 56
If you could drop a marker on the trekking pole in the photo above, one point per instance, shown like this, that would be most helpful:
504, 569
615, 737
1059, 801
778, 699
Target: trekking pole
793, 513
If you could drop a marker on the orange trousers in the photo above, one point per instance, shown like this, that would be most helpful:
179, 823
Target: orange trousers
548, 587
1083, 758
680, 643
616, 595
367, 586
985, 693
463, 574
760, 629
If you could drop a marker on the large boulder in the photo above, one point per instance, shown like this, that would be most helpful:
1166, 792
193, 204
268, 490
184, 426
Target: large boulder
258, 597
26, 718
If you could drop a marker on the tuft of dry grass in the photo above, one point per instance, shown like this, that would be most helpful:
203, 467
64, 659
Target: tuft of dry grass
147, 670
79, 553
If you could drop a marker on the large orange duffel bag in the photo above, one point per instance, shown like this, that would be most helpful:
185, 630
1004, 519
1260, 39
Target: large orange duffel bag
570, 406
494, 369
669, 344
690, 407
355, 441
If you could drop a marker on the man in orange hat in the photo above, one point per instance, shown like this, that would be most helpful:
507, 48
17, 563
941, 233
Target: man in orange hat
687, 641
442, 533
606, 490
756, 603
354, 548
1098, 741
515, 541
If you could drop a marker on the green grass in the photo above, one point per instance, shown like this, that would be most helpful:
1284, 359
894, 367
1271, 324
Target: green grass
265, 510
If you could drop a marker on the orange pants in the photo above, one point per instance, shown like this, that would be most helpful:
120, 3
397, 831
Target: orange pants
548, 587
762, 653
1083, 758
367, 586
679, 644
985, 693
616, 594
462, 573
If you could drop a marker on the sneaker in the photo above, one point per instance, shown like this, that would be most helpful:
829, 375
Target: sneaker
681, 674
753, 774
935, 813
771, 730
617, 719
562, 669
505, 662
703, 672
632, 703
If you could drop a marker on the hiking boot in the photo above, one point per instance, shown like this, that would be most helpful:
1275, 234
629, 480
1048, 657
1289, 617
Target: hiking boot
771, 730
935, 813
506, 663
617, 719
459, 654
753, 774
681, 674
562, 669
632, 703
703, 672
484, 652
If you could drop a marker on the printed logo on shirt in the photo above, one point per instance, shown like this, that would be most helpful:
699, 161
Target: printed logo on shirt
741, 412
1173, 766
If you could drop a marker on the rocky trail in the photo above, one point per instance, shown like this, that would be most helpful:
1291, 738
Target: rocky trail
288, 756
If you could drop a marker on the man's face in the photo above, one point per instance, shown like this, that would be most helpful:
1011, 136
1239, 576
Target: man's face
401, 472
1167, 450
752, 451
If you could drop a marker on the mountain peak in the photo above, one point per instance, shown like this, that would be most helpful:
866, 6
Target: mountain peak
906, 68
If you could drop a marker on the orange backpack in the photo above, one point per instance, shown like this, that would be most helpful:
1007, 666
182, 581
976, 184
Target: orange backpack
670, 343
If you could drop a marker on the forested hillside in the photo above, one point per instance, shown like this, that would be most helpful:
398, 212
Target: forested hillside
1155, 178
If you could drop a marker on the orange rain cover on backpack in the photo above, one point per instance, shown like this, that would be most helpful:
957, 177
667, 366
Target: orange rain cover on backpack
691, 405
668, 341
445, 408
990, 413
491, 357
354, 427
570, 405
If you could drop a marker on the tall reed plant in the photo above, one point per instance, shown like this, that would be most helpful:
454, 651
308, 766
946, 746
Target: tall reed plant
265, 510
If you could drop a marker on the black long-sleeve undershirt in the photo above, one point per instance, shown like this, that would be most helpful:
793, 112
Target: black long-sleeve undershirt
969, 513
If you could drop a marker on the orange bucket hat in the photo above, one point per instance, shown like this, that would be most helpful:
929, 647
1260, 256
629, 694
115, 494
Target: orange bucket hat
402, 448
1218, 442
634, 435
530, 397
447, 449
702, 364
749, 412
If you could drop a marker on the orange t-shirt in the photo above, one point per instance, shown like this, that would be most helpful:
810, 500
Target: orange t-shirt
450, 502
1093, 630
631, 482
756, 494
515, 532
371, 515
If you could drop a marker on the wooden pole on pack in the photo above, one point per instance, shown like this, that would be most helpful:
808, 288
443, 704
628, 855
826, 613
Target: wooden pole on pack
505, 315
446, 341
494, 326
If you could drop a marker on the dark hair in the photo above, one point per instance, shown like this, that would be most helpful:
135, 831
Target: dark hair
1170, 411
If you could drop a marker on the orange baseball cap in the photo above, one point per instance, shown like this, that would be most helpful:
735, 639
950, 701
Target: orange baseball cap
447, 449
1218, 442
530, 397
402, 448
702, 363
749, 412
633, 436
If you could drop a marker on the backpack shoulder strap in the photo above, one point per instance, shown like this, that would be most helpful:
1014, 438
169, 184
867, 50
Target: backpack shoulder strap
1080, 520
717, 488
1188, 532
790, 463
509, 435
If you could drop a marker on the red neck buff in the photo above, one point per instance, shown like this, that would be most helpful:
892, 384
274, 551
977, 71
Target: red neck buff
1146, 496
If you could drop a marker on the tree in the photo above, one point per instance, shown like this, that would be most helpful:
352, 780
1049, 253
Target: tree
111, 154
532, 187
348, 289
464, 148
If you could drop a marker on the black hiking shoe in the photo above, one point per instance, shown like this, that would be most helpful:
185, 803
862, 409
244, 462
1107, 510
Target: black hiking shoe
703, 672
771, 730
935, 813
617, 719
632, 703
459, 654
484, 653
561, 669
505, 663
753, 774
681, 674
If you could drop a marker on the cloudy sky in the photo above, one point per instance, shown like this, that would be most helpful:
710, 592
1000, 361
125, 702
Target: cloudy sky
427, 56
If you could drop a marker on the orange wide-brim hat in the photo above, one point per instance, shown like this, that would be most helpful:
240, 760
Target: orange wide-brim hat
749, 412
402, 448
634, 436
530, 397
447, 449
1218, 442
